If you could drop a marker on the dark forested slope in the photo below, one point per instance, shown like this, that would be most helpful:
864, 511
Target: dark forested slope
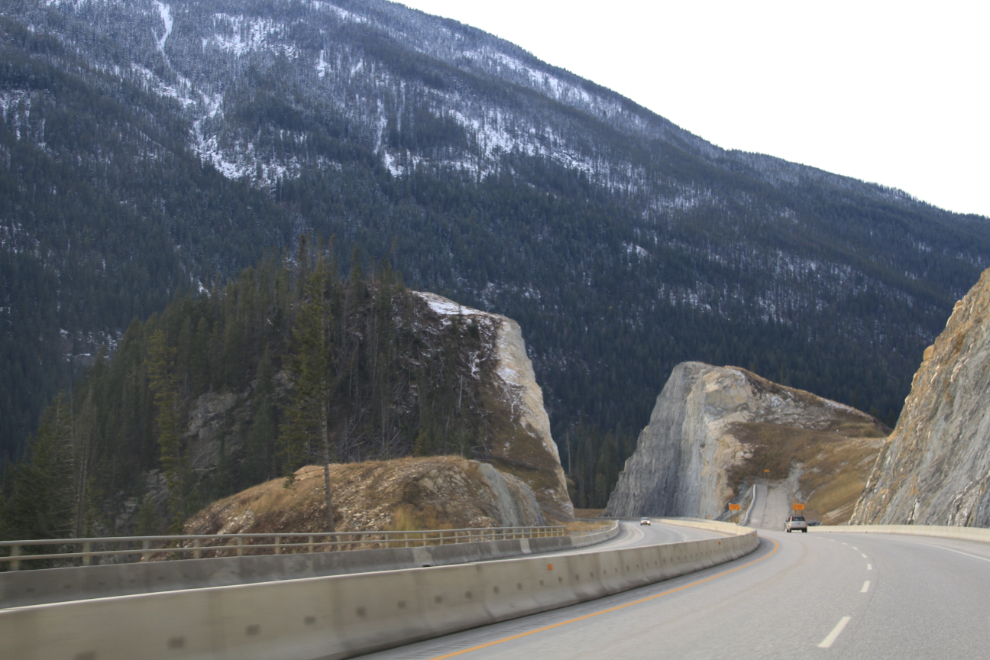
147, 146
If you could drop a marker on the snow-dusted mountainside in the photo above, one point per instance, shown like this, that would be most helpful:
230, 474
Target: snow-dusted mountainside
147, 146
386, 69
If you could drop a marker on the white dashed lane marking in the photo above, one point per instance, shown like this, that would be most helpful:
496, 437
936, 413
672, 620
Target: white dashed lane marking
866, 587
832, 636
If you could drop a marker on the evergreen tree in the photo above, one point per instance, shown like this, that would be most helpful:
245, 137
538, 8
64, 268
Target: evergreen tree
162, 374
41, 504
149, 522
260, 441
308, 412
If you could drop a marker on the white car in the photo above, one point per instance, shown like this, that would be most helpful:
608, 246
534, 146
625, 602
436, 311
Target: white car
645, 521
795, 522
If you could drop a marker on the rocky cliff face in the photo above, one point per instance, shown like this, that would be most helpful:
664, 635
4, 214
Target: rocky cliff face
713, 430
935, 467
519, 440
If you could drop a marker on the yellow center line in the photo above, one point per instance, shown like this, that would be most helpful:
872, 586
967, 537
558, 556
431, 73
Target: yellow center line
606, 611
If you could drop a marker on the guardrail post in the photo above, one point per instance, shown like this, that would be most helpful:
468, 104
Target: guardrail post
145, 545
15, 551
196, 552
240, 547
310, 548
278, 545
87, 548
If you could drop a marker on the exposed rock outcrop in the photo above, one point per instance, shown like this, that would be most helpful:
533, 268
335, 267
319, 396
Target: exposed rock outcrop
935, 467
715, 429
410, 493
519, 439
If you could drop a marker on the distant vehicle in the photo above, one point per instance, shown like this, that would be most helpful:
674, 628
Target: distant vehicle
795, 522
645, 521
813, 523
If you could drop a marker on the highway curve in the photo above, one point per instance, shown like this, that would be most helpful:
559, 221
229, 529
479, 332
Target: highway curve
634, 535
798, 596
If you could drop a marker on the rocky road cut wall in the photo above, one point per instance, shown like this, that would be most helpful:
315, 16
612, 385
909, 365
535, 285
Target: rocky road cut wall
935, 467
710, 430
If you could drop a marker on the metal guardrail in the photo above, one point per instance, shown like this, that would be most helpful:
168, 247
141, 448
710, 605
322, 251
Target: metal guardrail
199, 546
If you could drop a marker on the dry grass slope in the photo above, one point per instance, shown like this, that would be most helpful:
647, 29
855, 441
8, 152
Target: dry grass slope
440, 492
835, 462
835, 449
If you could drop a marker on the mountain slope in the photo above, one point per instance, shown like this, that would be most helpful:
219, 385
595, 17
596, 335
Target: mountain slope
146, 146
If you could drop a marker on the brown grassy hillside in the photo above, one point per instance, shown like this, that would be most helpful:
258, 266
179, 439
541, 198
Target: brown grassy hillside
439, 492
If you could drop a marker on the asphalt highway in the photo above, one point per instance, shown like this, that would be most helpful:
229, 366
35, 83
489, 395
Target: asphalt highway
812, 595
632, 535
770, 507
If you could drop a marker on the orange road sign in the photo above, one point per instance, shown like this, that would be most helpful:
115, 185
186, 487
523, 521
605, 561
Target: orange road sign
734, 507
799, 507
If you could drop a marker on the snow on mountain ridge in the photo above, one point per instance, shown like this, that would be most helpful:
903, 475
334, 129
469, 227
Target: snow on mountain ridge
166, 15
243, 35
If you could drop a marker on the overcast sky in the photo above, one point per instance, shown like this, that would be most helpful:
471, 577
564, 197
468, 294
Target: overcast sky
890, 92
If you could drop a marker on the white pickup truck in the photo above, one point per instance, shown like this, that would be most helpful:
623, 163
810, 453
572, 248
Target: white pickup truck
795, 522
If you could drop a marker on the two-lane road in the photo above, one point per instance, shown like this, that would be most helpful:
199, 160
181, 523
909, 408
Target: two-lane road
798, 596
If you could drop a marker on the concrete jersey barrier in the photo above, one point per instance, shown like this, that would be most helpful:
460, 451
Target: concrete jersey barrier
21, 588
966, 533
345, 615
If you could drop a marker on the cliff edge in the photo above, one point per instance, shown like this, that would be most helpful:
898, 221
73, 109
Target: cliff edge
935, 467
